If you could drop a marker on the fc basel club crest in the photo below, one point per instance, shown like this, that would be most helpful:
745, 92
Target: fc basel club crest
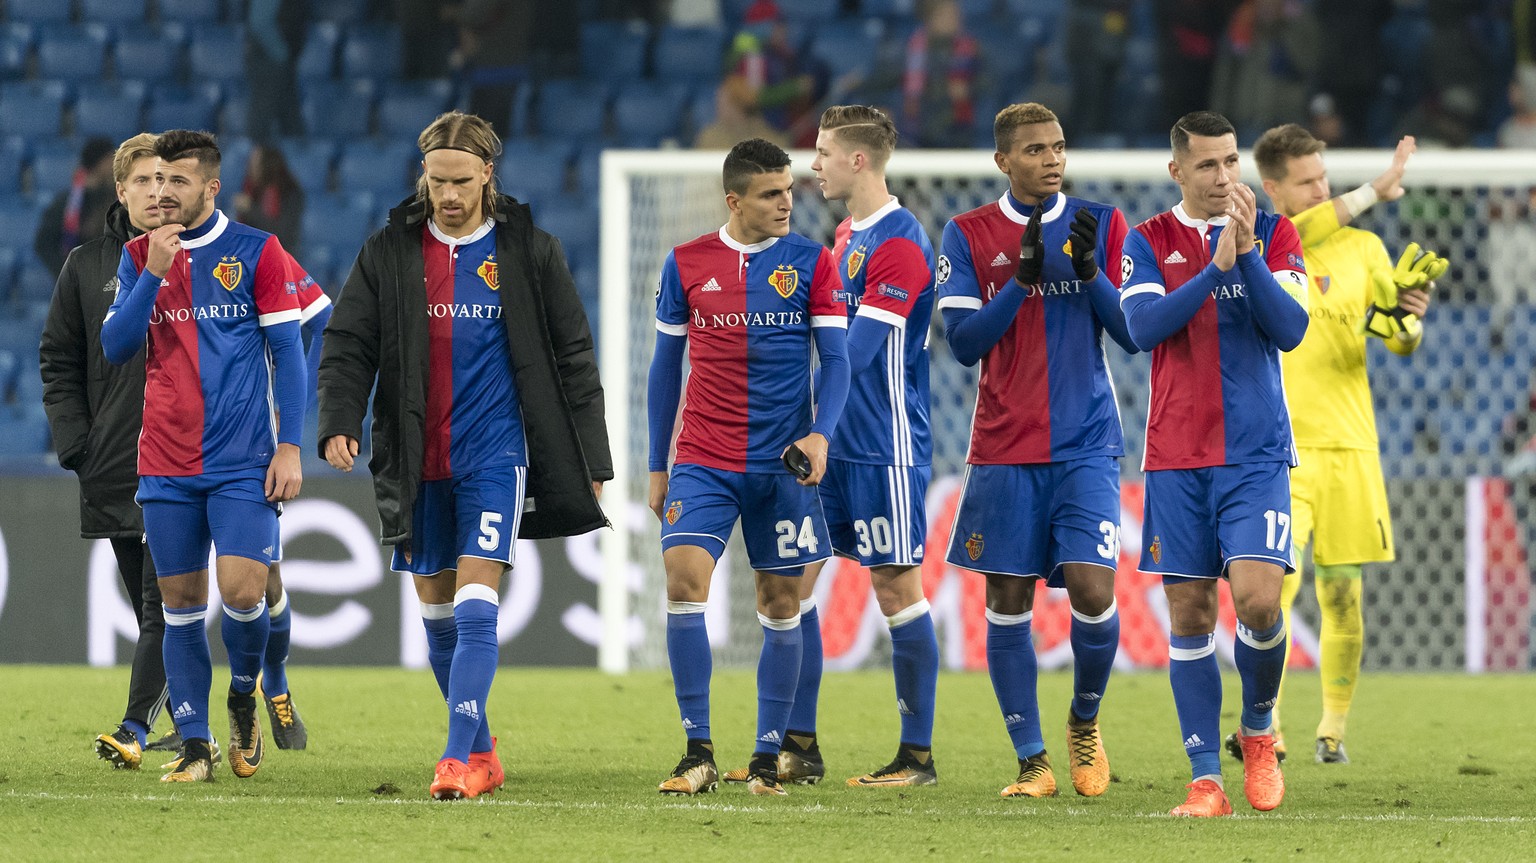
974, 545
487, 272
855, 260
674, 509
1322, 284
784, 279
1156, 549
229, 271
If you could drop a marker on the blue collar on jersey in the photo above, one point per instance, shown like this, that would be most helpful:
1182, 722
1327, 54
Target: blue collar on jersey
1019, 212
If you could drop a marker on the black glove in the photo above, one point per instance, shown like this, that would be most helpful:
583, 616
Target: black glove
1084, 240
1031, 250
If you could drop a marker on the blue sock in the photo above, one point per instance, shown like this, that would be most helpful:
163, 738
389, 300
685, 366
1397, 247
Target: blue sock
1014, 671
802, 717
1260, 660
245, 633
1196, 680
778, 668
474, 668
274, 664
188, 669
139, 730
1095, 641
442, 639
688, 654
915, 660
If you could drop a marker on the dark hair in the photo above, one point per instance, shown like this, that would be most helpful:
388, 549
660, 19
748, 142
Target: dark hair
748, 159
178, 144
862, 127
1276, 148
1014, 117
1206, 124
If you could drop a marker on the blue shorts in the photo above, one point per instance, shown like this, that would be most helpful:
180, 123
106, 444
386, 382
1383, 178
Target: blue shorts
474, 515
1029, 520
185, 515
876, 512
1198, 521
781, 520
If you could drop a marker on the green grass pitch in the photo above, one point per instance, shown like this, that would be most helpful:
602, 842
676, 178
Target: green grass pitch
1444, 769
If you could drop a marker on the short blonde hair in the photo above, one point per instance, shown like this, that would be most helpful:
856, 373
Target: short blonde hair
456, 130
1011, 118
138, 147
1276, 148
862, 127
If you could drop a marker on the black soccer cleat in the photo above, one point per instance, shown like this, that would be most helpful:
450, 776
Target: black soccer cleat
1330, 750
288, 730
245, 743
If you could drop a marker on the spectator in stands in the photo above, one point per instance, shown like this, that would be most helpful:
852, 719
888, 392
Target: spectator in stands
274, 36
767, 75
733, 122
424, 54
1352, 74
938, 80
79, 213
495, 38
1264, 65
1187, 51
272, 199
1097, 32
1325, 122
1458, 59
1520, 129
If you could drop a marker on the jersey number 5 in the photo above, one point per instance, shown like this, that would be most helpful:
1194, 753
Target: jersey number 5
490, 537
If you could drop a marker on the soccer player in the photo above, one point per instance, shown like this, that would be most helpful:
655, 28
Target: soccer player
96, 410
1216, 289
878, 468
1338, 496
1022, 288
488, 413
746, 302
209, 294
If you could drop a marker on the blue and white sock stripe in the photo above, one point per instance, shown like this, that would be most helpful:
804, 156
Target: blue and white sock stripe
192, 616
1000, 619
471, 592
1274, 637
282, 604
436, 610
908, 614
245, 615
1108, 613
806, 605
1189, 654
784, 624
685, 607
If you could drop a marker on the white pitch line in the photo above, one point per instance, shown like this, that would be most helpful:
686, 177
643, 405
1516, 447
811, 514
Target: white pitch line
814, 808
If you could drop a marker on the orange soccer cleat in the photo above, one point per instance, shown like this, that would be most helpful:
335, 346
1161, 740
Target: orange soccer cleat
453, 781
487, 766
1263, 784
1205, 800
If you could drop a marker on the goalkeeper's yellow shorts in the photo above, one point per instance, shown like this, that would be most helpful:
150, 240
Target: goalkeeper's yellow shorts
1339, 501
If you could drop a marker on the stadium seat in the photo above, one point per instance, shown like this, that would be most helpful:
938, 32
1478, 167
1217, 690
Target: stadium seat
847, 47
334, 222
689, 54
574, 222
15, 45
113, 110
892, 9
70, 53
24, 435
114, 11
645, 113
572, 109
807, 11
235, 113
217, 53
33, 109
8, 366
533, 170
310, 160
13, 155
613, 50
150, 53
407, 107
339, 109
8, 258
53, 166
317, 59
34, 284
342, 11
235, 153
383, 168
191, 10
181, 108
371, 51
38, 12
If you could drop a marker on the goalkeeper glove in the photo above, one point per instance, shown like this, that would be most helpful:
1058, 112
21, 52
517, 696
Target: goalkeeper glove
1416, 269
1082, 243
1031, 251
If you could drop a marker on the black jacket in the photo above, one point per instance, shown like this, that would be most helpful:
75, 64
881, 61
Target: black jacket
95, 409
380, 328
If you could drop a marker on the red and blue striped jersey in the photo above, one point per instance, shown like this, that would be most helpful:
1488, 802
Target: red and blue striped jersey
1216, 395
1045, 392
747, 312
208, 384
886, 265
474, 416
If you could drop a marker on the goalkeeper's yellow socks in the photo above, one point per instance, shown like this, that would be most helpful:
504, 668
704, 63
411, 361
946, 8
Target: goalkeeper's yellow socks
1341, 640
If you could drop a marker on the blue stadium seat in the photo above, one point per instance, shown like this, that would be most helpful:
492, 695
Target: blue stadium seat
235, 112
8, 258
613, 50
310, 160
383, 168
339, 109
181, 108
371, 51
235, 159
217, 53
15, 45
191, 10
113, 110
114, 11
807, 11
24, 435
336, 223
32, 109
150, 53
533, 170
34, 284
317, 59
70, 53
574, 222
8, 367
18, 224
13, 155
894, 9
407, 107
53, 166
690, 54
572, 109
847, 47
341, 11
647, 112
38, 12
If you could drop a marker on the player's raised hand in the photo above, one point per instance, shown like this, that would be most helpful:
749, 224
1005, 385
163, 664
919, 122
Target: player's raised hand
1031, 251
656, 497
285, 474
340, 450
1084, 241
1389, 185
1225, 255
164, 243
814, 445
1244, 209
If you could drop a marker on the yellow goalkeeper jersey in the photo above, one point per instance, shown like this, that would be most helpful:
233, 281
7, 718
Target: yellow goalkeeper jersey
1325, 376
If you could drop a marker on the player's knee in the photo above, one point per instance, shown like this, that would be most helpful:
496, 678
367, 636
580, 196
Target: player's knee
1257, 612
778, 596
1010, 594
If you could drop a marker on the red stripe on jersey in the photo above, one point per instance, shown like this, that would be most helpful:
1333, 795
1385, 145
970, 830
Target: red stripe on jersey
724, 349
171, 443
895, 276
438, 260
